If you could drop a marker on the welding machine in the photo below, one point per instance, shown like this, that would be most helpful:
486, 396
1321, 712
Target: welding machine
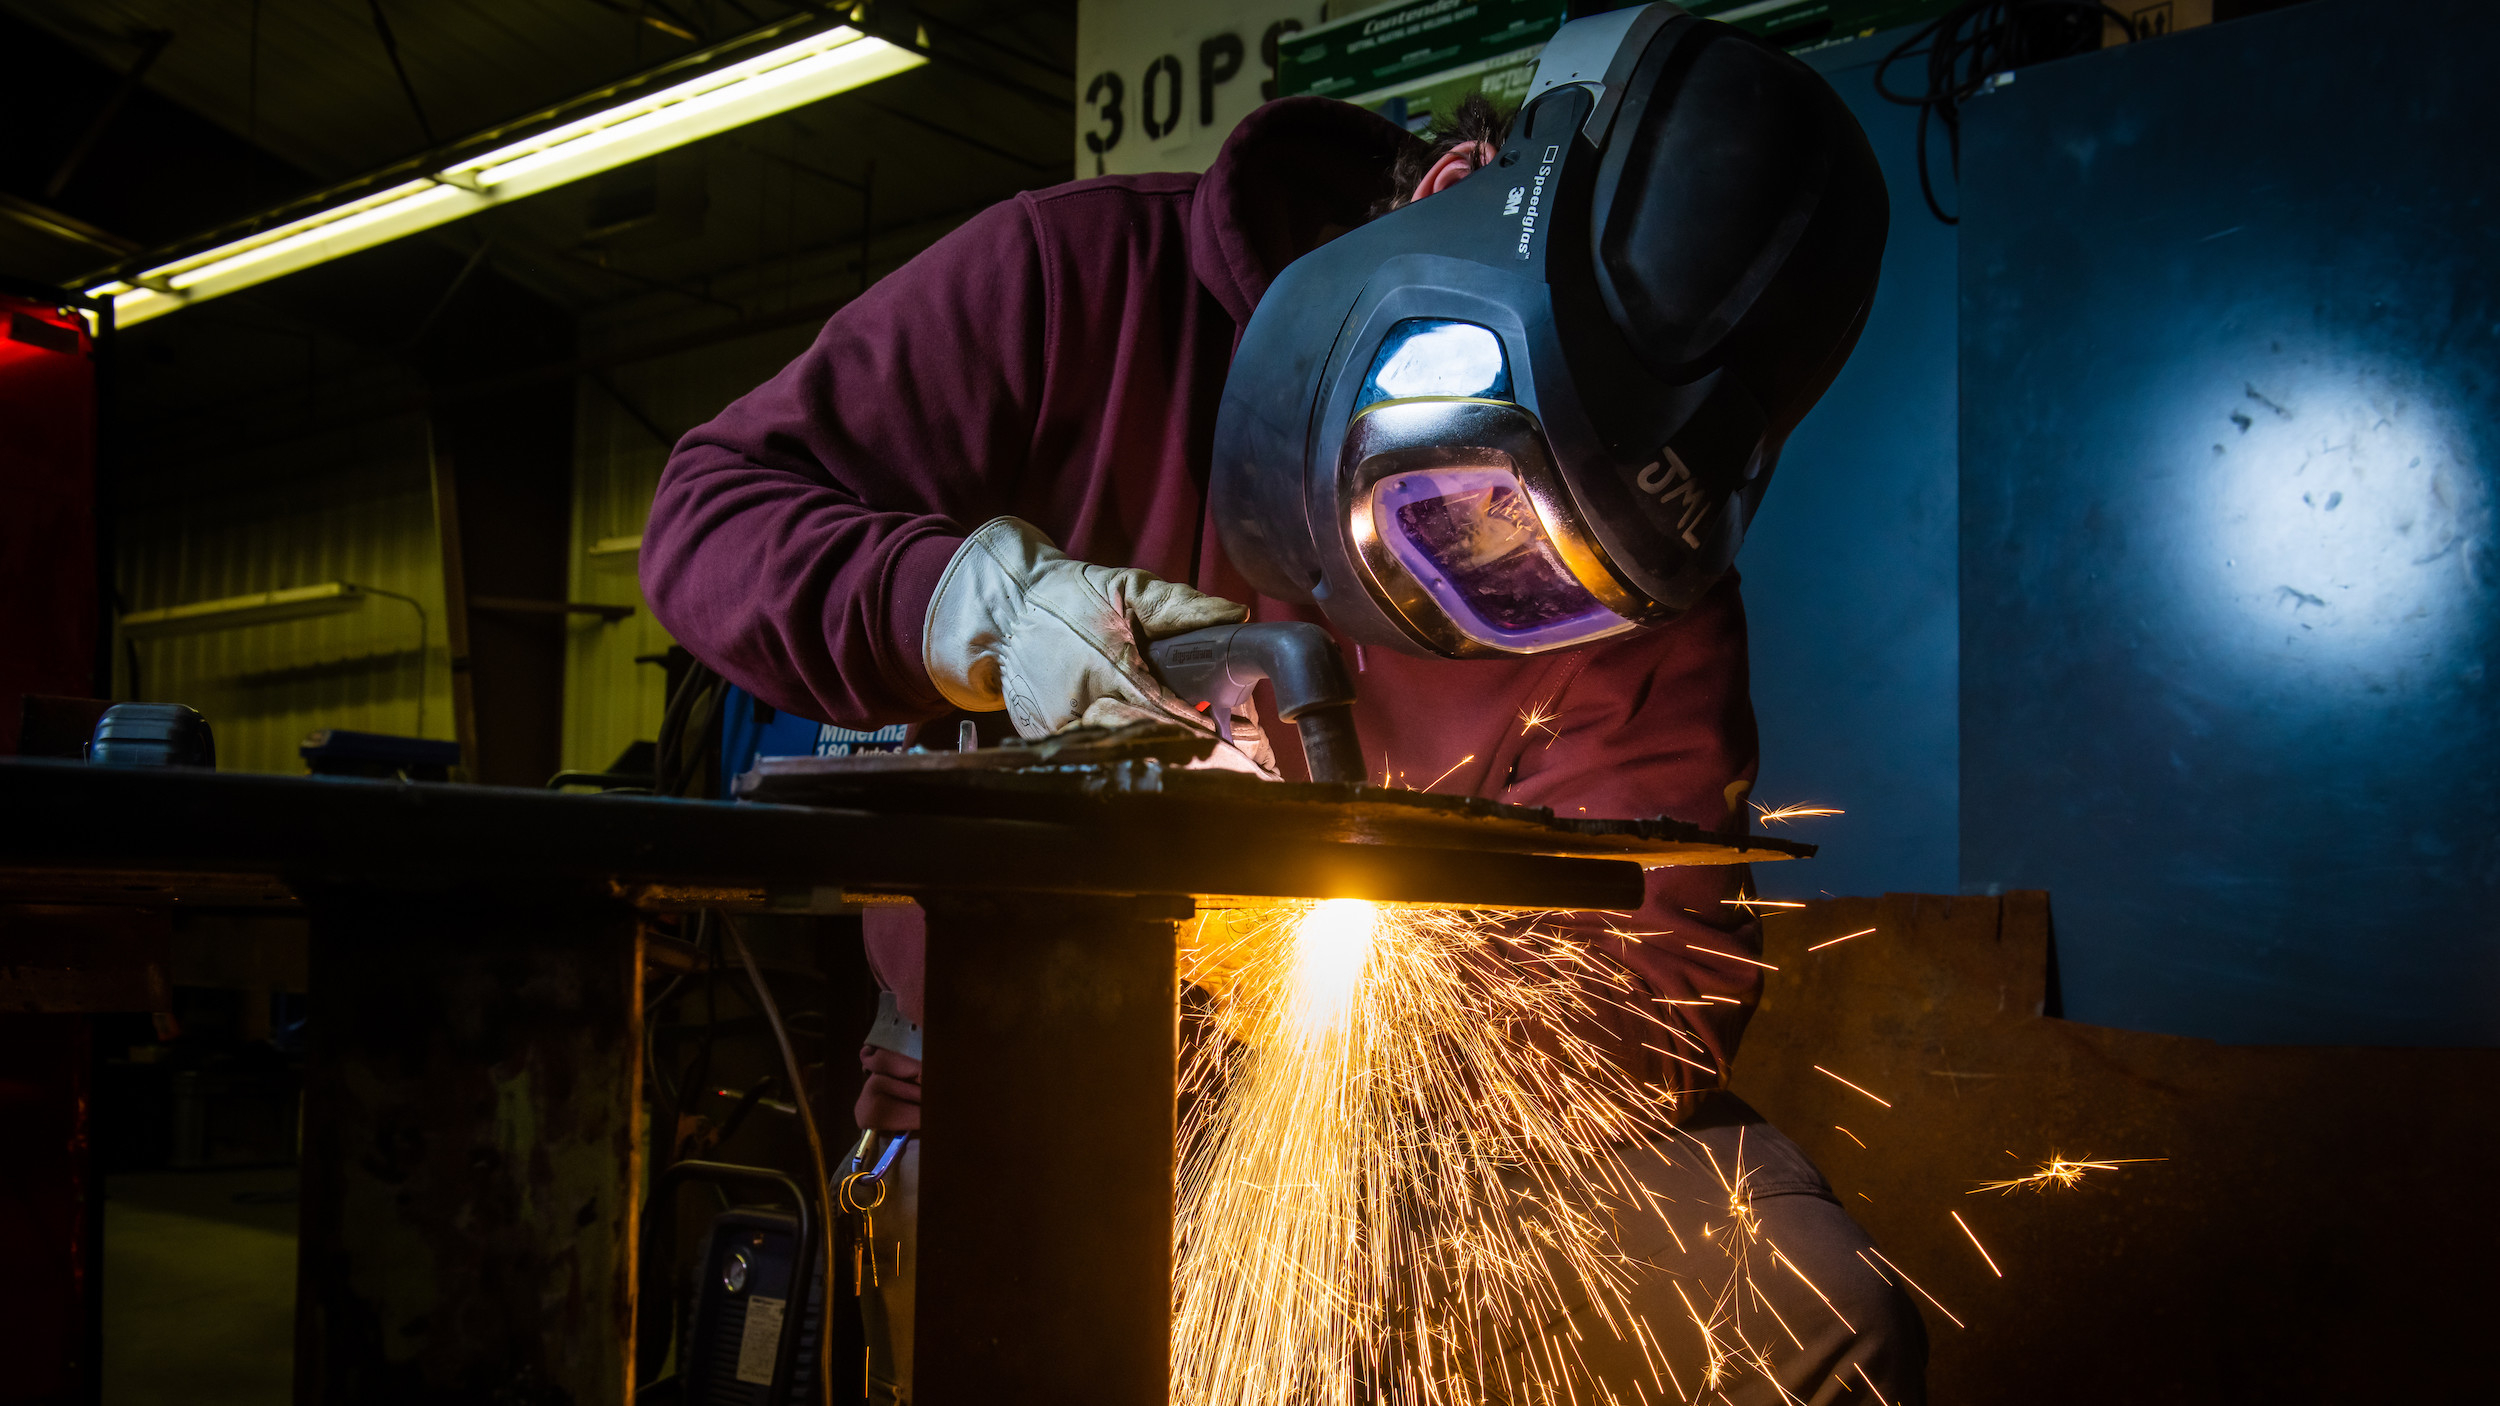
742, 1345
738, 1340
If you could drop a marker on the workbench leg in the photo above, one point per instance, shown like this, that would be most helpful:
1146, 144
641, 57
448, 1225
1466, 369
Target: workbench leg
51, 1195
1045, 1259
472, 1153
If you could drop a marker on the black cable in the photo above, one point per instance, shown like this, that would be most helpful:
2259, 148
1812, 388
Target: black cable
425, 643
815, 1153
745, 1105
651, 1038
690, 1086
390, 46
1970, 45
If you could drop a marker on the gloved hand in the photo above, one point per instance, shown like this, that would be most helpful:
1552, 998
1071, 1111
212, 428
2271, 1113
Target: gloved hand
1018, 624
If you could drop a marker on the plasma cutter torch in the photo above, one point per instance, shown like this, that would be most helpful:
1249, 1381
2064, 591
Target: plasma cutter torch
1215, 669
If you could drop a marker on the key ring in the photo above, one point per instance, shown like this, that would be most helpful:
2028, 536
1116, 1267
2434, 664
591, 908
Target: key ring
848, 1194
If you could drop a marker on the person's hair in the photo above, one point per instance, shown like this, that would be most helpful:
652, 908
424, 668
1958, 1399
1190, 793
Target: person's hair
1474, 120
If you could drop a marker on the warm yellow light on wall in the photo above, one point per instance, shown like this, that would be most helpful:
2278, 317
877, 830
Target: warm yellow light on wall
802, 71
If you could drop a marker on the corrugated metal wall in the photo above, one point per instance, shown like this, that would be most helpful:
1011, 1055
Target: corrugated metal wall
610, 701
356, 506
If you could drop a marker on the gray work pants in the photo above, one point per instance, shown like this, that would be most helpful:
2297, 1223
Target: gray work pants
1774, 1339
1860, 1330
885, 1305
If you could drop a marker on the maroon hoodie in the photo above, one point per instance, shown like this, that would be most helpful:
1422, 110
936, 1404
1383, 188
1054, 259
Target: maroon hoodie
1060, 358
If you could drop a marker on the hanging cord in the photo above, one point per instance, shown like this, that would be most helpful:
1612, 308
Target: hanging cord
815, 1153
425, 643
1970, 46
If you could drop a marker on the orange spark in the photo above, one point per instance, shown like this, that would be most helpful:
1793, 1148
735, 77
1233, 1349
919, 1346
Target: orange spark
2059, 1170
1844, 1132
1715, 952
1844, 937
1453, 767
1922, 1293
1828, 1074
1749, 903
1536, 716
1785, 814
1697, 1064
1974, 1244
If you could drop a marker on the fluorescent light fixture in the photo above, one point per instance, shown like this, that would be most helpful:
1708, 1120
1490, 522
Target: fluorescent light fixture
775, 80
230, 612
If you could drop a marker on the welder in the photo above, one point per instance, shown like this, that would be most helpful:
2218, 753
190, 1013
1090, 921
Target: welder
1496, 408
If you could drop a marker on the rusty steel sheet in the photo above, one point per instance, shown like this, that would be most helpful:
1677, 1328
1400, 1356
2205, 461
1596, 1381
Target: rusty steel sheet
75, 959
1154, 797
473, 1135
2319, 1228
143, 888
1045, 1260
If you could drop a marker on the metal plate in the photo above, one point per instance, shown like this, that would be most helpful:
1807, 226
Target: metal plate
416, 837
1157, 798
2230, 484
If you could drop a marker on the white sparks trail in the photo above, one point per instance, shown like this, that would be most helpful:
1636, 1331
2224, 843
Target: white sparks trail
1393, 1170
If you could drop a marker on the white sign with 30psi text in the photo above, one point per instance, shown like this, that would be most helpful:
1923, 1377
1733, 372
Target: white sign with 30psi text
1161, 83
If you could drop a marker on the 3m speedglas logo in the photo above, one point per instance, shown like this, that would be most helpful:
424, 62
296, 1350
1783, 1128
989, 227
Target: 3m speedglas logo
1536, 198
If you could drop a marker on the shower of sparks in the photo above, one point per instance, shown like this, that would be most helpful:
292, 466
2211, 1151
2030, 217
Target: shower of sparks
2059, 1170
1830, 1075
1538, 717
1844, 937
1974, 1244
1399, 1171
1402, 1180
1788, 814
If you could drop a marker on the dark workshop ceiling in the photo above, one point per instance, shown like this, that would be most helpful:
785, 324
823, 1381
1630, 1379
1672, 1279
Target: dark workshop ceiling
716, 222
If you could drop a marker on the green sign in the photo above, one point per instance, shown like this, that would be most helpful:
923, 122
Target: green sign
1808, 24
1412, 61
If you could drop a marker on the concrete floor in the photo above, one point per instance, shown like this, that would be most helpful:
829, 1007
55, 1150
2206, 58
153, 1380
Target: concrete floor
199, 1288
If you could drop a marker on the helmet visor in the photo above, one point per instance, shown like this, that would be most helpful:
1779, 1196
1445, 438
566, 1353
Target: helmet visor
1470, 539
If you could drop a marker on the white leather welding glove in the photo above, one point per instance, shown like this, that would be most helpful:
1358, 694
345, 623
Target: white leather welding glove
1018, 624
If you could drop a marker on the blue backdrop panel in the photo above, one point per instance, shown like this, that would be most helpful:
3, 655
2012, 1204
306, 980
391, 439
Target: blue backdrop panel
1849, 576
2230, 400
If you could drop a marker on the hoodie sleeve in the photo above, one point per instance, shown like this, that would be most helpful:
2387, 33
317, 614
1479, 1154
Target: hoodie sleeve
795, 539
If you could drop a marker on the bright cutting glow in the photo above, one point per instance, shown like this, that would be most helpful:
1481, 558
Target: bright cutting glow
775, 81
1332, 944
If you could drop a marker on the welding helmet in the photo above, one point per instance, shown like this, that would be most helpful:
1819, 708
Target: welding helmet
1540, 407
